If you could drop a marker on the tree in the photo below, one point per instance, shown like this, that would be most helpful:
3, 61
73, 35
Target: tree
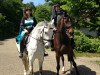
42, 12
29, 5
84, 13
10, 15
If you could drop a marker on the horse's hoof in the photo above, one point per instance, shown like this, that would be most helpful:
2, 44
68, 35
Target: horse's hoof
72, 72
26, 52
57, 73
63, 70
45, 54
40, 73
77, 73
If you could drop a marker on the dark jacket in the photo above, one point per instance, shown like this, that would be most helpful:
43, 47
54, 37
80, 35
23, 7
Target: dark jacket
23, 26
56, 13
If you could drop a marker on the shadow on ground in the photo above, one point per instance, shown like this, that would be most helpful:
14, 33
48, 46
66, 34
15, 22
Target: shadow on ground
45, 72
83, 70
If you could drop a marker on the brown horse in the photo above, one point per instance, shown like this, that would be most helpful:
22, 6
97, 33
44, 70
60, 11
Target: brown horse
62, 45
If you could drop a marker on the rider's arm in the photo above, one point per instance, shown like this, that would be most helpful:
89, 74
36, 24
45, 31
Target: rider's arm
22, 25
35, 22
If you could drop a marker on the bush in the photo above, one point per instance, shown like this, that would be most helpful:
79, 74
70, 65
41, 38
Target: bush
86, 44
42, 13
95, 45
6, 28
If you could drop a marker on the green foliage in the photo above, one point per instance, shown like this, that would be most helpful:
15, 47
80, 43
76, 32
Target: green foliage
10, 15
86, 54
84, 13
86, 44
42, 13
11, 12
30, 5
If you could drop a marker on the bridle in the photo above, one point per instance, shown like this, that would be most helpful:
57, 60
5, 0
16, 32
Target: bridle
42, 32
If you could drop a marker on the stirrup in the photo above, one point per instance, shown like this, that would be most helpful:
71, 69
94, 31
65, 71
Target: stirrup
21, 55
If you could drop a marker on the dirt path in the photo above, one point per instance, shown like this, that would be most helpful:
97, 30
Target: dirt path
10, 64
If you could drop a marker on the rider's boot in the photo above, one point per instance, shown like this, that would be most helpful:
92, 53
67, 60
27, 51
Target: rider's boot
19, 48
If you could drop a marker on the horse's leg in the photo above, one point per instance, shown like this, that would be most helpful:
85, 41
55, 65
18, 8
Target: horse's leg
25, 62
71, 66
63, 68
58, 62
41, 59
62, 57
75, 66
31, 59
30, 67
70, 58
72, 62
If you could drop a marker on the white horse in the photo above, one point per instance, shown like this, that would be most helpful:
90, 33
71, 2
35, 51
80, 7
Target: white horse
38, 39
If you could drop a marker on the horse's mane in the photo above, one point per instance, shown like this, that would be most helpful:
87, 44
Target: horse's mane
39, 25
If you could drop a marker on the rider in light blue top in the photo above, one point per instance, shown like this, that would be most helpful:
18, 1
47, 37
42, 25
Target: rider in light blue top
28, 22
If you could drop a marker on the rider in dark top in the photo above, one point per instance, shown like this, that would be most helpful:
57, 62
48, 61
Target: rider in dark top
58, 11
28, 22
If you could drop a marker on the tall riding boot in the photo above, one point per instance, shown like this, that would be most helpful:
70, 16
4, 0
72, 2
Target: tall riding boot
19, 50
21, 54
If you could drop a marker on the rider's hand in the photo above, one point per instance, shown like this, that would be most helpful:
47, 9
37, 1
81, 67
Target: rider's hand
26, 31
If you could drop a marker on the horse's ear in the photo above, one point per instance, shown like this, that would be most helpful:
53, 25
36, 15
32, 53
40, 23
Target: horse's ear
45, 22
52, 21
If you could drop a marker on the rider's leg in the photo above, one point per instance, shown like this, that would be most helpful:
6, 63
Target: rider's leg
19, 41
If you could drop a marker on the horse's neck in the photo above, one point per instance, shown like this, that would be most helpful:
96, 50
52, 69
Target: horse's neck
57, 38
36, 33
60, 24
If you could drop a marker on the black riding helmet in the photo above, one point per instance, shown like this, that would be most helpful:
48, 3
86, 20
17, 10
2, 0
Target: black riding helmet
56, 5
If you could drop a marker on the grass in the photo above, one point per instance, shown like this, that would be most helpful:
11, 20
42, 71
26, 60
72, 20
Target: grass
84, 54
98, 62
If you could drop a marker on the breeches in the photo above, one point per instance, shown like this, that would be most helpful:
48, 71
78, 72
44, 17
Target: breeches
20, 37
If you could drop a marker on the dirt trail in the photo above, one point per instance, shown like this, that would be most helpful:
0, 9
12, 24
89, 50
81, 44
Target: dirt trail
10, 64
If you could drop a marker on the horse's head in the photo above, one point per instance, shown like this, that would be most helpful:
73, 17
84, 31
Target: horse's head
48, 33
62, 26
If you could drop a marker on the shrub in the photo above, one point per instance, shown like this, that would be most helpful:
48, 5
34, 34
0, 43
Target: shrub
86, 44
42, 13
6, 28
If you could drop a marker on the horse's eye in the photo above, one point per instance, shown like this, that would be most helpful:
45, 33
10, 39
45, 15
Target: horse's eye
46, 33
